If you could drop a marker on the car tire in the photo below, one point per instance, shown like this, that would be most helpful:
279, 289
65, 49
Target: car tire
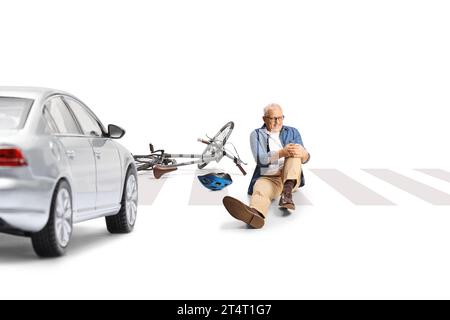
54, 238
125, 219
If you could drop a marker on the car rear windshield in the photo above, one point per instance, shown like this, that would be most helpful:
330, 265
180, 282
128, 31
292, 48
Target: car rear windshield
14, 112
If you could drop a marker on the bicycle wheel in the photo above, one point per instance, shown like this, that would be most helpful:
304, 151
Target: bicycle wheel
224, 133
217, 143
146, 162
144, 166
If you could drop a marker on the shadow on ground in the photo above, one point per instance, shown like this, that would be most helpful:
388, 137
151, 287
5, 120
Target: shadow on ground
20, 249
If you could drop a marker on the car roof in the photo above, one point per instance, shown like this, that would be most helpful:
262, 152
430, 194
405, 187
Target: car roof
28, 92
38, 95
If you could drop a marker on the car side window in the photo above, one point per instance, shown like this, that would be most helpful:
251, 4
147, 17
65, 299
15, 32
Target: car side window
62, 117
88, 123
49, 123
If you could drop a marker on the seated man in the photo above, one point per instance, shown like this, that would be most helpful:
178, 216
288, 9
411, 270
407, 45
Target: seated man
279, 154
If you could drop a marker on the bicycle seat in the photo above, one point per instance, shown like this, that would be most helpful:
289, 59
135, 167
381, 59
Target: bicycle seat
159, 171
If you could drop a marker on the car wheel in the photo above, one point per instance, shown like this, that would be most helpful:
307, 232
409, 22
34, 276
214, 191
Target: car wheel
54, 238
123, 222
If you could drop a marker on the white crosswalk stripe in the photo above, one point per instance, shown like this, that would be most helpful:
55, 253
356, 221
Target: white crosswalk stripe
324, 187
414, 187
354, 191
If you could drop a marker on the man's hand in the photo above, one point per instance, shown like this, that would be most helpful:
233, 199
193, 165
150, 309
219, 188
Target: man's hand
294, 151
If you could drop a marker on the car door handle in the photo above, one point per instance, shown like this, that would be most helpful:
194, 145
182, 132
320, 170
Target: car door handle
70, 154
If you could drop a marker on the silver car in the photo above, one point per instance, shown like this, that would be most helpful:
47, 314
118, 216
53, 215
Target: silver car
60, 166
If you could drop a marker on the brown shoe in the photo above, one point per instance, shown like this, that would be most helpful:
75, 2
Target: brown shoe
286, 201
243, 212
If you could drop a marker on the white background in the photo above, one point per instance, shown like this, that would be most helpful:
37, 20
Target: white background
366, 82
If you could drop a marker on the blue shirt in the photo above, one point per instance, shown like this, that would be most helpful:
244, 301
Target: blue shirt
259, 142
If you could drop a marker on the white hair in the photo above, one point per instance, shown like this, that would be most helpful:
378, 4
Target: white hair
271, 106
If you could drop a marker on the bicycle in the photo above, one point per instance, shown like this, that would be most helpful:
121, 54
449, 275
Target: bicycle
161, 162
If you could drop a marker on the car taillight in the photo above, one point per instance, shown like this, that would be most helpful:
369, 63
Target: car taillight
12, 157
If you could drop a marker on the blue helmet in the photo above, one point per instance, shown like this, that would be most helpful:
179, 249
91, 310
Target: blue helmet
215, 181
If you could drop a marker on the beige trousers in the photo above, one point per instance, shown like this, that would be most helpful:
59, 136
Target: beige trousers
267, 188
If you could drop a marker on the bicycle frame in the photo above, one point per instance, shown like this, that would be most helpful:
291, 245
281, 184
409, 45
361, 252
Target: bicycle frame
164, 162
202, 159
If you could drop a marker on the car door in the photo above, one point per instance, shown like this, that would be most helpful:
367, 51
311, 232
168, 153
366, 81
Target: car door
107, 158
79, 153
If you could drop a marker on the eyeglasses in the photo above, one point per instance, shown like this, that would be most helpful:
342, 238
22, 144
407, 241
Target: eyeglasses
273, 119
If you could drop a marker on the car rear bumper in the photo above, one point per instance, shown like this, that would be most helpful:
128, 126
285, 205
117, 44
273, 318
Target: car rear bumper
24, 204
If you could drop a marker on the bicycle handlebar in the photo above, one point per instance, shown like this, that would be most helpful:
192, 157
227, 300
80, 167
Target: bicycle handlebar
237, 162
203, 141
242, 169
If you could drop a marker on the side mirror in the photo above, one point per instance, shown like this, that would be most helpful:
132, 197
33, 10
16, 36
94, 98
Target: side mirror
115, 132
